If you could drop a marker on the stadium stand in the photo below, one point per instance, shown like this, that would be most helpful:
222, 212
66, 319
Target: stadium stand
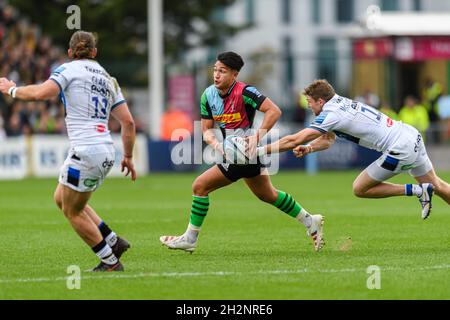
27, 56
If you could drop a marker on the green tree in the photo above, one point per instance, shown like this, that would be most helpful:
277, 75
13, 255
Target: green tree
121, 26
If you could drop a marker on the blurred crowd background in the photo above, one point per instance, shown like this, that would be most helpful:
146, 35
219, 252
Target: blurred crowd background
26, 57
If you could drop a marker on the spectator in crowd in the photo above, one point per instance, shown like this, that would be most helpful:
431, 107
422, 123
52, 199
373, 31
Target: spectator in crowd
18, 123
302, 109
369, 98
26, 57
415, 114
431, 94
387, 110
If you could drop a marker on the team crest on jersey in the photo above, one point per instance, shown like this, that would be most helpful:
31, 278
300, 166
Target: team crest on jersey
233, 108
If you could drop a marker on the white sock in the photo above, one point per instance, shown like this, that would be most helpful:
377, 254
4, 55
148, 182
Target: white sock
305, 218
106, 255
192, 233
417, 190
111, 238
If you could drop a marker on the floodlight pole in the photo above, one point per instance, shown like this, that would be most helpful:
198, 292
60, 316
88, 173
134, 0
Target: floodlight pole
155, 65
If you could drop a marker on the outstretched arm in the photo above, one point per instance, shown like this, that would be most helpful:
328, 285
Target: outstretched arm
322, 143
43, 91
123, 115
291, 141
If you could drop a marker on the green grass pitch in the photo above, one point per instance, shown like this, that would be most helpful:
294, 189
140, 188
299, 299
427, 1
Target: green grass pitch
247, 249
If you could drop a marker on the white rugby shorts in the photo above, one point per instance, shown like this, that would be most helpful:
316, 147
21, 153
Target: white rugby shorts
408, 154
86, 167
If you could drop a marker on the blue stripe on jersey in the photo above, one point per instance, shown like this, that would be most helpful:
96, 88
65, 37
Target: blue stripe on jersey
320, 118
59, 70
253, 90
117, 104
62, 97
318, 129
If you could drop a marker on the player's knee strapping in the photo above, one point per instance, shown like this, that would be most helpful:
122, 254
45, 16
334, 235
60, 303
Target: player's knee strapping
199, 209
286, 203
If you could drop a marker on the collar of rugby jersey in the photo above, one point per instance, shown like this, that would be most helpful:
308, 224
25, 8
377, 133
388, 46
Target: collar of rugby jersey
229, 90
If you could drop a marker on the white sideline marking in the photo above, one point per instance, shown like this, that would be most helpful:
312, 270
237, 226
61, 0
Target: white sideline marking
217, 274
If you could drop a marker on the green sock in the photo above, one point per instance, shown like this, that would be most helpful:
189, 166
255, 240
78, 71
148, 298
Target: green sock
199, 210
286, 203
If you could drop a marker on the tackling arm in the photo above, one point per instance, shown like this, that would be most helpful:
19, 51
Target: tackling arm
323, 142
291, 141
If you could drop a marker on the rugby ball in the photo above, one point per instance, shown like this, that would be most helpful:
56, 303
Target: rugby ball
235, 150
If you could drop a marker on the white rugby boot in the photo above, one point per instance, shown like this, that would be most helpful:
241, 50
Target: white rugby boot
425, 199
315, 231
178, 242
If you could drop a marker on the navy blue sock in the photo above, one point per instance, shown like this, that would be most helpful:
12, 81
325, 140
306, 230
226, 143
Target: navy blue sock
104, 229
408, 190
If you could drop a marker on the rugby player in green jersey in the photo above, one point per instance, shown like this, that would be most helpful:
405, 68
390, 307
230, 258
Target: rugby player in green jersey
233, 104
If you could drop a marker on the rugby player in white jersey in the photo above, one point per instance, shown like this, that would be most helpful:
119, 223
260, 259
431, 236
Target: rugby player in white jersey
402, 146
89, 95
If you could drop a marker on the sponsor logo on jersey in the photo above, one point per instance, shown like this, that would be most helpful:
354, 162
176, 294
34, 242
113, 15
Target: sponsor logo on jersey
228, 118
107, 163
407, 167
90, 182
100, 128
389, 122
104, 92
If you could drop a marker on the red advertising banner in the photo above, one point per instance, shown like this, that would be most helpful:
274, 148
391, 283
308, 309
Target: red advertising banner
375, 48
406, 48
182, 92
421, 48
